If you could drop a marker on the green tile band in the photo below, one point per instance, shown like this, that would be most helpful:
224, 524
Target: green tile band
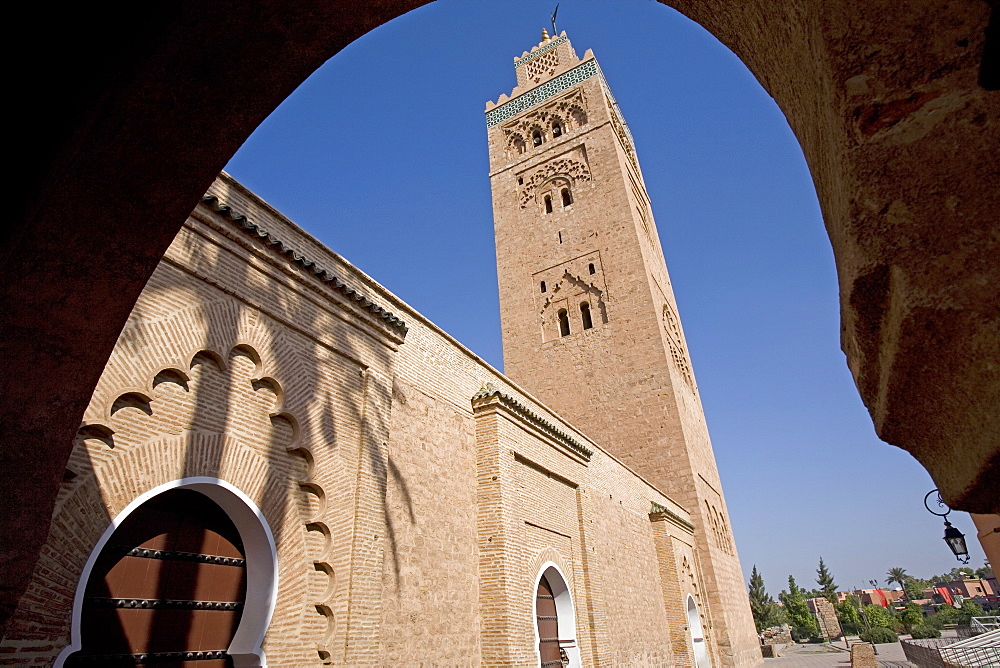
538, 95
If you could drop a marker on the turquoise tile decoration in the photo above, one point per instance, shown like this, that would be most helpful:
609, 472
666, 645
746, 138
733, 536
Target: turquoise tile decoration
538, 95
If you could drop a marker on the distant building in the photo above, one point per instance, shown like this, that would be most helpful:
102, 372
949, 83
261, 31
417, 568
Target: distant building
883, 597
971, 588
939, 595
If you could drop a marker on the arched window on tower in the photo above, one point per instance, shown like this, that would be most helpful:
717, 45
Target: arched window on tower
543, 286
536, 138
588, 322
548, 204
567, 197
563, 322
517, 145
579, 116
557, 129
590, 268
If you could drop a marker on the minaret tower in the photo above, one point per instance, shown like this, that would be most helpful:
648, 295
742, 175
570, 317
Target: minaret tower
588, 316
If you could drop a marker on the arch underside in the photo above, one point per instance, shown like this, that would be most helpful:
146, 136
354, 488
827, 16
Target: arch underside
904, 160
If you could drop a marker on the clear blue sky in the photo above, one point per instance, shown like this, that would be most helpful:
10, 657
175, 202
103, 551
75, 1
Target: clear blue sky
382, 155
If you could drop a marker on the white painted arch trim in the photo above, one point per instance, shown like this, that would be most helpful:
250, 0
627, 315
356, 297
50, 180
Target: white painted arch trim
699, 644
565, 612
261, 563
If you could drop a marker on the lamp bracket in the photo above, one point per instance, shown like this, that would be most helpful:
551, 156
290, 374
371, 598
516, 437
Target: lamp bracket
938, 501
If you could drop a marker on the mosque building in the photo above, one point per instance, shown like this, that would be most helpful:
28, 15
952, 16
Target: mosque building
284, 464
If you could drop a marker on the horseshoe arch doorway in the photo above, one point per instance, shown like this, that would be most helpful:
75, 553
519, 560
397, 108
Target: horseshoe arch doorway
185, 576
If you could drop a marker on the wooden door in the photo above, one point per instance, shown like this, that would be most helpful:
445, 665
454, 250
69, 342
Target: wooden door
168, 588
548, 625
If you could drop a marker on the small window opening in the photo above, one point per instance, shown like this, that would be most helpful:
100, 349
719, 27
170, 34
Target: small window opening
536, 138
560, 237
548, 204
543, 286
585, 315
591, 268
520, 180
556, 130
563, 322
567, 197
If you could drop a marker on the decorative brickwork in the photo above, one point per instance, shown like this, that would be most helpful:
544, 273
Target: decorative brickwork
540, 52
254, 229
488, 393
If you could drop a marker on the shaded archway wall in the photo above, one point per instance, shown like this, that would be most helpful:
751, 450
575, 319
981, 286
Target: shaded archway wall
123, 125
895, 107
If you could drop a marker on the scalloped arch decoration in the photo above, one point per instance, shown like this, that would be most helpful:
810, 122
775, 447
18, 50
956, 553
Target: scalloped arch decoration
571, 169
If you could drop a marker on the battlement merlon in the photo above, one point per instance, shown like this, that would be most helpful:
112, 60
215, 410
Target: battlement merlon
549, 58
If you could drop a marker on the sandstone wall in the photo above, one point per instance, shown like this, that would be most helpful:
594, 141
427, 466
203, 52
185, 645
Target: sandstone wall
410, 520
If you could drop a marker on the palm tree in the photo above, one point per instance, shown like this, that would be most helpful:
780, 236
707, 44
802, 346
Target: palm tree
899, 576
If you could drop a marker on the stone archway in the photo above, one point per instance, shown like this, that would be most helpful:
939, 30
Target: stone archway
241, 536
895, 121
554, 600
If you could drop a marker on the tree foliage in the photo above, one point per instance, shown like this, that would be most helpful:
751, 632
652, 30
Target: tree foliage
968, 610
954, 574
897, 575
801, 620
879, 635
946, 614
911, 615
827, 587
766, 611
850, 616
925, 631
914, 588
878, 616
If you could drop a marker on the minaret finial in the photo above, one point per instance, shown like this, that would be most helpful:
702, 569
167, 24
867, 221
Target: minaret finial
545, 35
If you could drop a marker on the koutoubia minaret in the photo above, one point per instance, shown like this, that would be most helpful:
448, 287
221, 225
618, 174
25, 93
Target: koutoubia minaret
589, 321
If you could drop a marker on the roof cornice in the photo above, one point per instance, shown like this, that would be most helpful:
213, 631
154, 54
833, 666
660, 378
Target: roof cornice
490, 394
256, 231
659, 513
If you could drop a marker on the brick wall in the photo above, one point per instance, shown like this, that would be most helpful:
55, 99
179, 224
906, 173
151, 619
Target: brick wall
410, 522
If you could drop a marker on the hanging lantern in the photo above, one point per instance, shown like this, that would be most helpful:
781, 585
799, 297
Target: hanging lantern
952, 536
956, 541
